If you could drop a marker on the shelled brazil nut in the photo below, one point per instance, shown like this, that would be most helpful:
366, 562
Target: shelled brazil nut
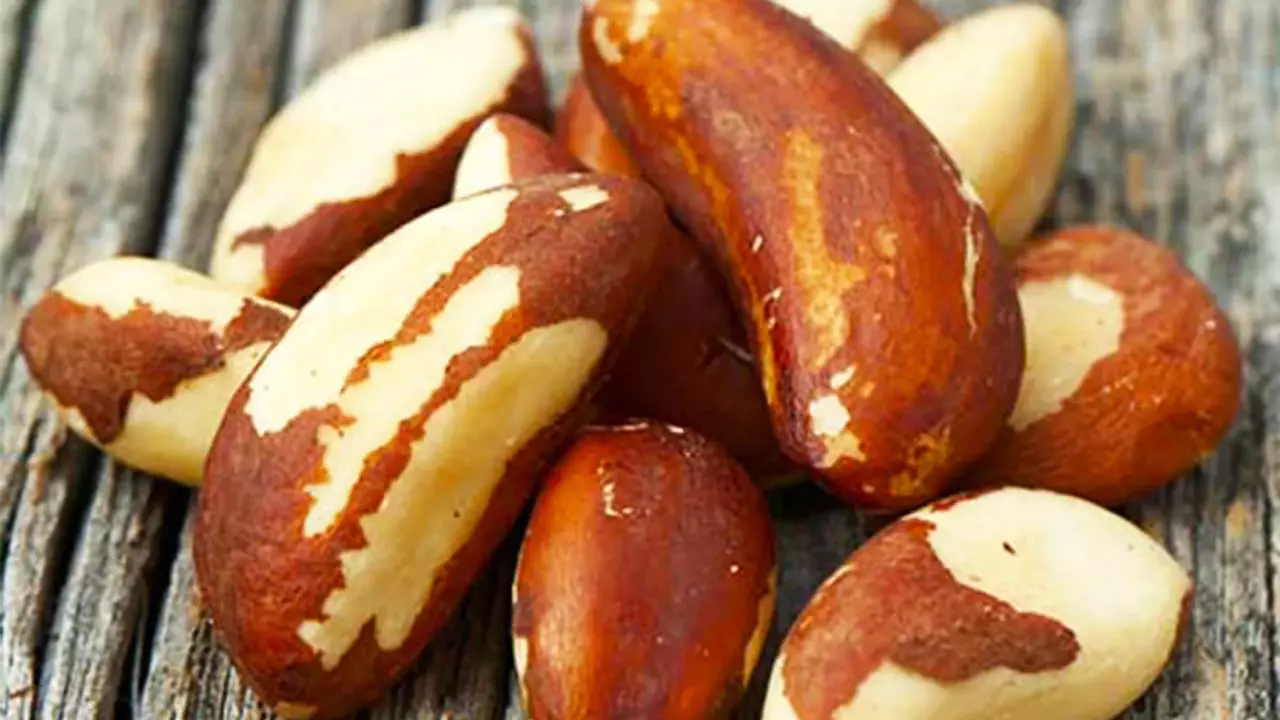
888, 338
645, 582
1133, 372
370, 145
141, 358
684, 361
995, 89
1007, 604
369, 466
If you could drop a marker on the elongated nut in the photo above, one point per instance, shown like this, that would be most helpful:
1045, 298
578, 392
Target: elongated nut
684, 361
141, 357
646, 580
995, 89
883, 314
1011, 604
506, 148
368, 468
372, 144
1133, 372
882, 32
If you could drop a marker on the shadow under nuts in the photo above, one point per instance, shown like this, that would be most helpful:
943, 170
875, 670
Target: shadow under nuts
426, 386
888, 337
646, 580
1007, 604
1133, 372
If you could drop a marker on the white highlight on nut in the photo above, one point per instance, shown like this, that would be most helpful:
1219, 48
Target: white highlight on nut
829, 420
453, 470
485, 162
844, 377
972, 256
608, 50
170, 438
339, 139
399, 384
1071, 323
643, 13
584, 197
297, 376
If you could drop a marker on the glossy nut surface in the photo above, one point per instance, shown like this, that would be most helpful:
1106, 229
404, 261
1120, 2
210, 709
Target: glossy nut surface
882, 313
1133, 371
646, 579
368, 468
1010, 604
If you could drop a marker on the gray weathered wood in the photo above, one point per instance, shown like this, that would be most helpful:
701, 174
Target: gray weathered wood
14, 21
83, 179
327, 30
1177, 138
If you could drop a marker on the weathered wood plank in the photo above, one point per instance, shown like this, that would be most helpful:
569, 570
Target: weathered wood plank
233, 95
15, 21
84, 178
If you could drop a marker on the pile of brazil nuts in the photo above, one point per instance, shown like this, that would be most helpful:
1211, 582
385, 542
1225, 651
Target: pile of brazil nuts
758, 243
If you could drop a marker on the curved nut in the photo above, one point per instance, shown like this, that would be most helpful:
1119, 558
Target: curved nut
860, 235
683, 363
995, 88
141, 357
882, 32
372, 144
646, 580
506, 148
1010, 604
1133, 372
370, 465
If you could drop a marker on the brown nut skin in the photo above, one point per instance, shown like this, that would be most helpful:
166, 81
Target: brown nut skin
683, 363
584, 132
1010, 603
298, 217
368, 468
646, 579
1133, 371
882, 313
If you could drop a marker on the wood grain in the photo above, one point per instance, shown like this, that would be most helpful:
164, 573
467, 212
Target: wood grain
128, 124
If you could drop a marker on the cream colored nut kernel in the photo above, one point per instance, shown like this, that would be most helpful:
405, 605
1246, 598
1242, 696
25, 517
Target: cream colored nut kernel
370, 145
1011, 603
504, 149
995, 89
882, 32
423, 387
141, 357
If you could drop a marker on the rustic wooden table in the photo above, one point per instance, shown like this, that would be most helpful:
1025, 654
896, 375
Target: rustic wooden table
124, 126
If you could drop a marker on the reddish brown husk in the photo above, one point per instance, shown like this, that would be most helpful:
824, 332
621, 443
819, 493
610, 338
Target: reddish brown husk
841, 225
261, 577
894, 601
301, 258
1145, 414
582, 130
94, 363
648, 555
684, 362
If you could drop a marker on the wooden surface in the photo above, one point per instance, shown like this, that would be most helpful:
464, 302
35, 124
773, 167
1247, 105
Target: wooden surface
124, 126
